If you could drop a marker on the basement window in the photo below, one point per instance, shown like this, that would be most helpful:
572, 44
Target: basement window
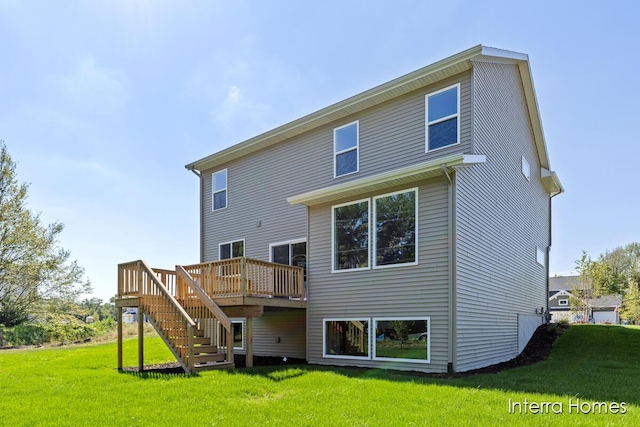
238, 335
346, 338
402, 339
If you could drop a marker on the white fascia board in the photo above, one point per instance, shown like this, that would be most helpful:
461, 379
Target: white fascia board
385, 180
551, 182
561, 294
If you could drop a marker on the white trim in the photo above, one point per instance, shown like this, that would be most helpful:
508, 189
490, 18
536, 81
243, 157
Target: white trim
357, 148
405, 175
560, 294
345, 319
285, 242
373, 327
526, 170
333, 236
441, 119
214, 191
231, 242
375, 234
236, 321
563, 302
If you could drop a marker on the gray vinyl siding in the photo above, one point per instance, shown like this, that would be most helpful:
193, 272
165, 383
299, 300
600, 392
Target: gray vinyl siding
287, 325
392, 135
500, 220
420, 290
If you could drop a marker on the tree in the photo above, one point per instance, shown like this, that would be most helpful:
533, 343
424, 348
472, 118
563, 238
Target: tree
34, 270
619, 266
630, 310
402, 328
586, 287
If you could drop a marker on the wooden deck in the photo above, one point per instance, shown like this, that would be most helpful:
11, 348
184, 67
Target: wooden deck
178, 302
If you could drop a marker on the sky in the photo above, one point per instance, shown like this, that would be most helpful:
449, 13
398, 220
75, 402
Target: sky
103, 103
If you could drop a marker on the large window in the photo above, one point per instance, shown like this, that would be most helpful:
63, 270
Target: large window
402, 339
394, 233
219, 185
345, 149
443, 118
290, 253
351, 236
346, 338
231, 249
238, 335
395, 228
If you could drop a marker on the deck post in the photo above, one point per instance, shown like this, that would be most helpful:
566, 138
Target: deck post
249, 337
243, 276
140, 339
119, 338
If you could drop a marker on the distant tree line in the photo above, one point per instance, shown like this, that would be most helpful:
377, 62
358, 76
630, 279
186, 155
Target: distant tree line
614, 272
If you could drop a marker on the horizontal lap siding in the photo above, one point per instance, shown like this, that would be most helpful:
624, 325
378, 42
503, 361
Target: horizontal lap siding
500, 220
419, 291
392, 135
289, 326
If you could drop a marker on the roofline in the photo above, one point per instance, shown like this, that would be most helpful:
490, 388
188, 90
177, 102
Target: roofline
427, 75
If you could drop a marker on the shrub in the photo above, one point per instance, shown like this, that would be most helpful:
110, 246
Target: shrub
60, 330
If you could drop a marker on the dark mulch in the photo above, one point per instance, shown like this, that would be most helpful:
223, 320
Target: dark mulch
537, 350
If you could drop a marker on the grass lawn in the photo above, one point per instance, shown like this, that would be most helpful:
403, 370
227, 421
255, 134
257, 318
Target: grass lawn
79, 386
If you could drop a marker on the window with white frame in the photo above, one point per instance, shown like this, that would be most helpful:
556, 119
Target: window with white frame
238, 335
345, 149
564, 302
393, 237
231, 249
290, 253
526, 171
219, 185
443, 118
350, 236
395, 217
346, 338
540, 256
402, 339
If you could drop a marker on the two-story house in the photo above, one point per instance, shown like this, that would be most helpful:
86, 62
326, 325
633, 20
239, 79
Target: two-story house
419, 211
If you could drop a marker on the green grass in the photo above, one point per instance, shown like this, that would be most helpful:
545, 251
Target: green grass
79, 386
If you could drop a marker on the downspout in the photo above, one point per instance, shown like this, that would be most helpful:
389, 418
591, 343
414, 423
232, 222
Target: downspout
306, 284
548, 257
451, 262
199, 175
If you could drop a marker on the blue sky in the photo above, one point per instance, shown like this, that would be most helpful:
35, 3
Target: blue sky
103, 103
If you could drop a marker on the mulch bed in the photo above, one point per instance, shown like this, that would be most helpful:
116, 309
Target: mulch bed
537, 350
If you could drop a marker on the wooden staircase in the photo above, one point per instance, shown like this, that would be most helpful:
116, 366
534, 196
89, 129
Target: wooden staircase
172, 320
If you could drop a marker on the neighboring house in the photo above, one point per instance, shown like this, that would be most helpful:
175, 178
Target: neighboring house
602, 309
418, 212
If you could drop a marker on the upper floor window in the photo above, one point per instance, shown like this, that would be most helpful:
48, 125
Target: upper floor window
540, 256
443, 117
563, 302
219, 189
526, 171
345, 149
231, 249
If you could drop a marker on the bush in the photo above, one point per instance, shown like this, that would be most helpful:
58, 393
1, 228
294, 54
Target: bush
56, 331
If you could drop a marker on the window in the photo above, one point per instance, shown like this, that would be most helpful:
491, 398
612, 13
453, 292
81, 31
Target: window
345, 149
219, 184
443, 121
231, 249
238, 335
526, 171
395, 228
540, 256
350, 236
394, 232
346, 338
402, 339
563, 302
290, 253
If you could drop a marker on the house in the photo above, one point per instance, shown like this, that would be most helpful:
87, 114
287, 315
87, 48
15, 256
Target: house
602, 308
406, 227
